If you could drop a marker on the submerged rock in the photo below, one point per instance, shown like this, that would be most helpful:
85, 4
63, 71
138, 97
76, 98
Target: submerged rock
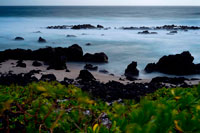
19, 38
41, 40
147, 32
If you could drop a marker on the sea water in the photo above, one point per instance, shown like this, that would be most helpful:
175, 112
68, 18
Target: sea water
121, 46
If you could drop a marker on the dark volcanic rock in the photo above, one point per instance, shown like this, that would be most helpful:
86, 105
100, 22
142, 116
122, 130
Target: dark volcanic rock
179, 64
41, 40
37, 64
21, 64
97, 57
57, 63
74, 53
48, 77
176, 81
88, 44
19, 38
99, 26
84, 26
132, 70
85, 75
90, 67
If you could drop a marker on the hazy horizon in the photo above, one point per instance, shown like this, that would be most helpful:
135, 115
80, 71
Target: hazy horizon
99, 3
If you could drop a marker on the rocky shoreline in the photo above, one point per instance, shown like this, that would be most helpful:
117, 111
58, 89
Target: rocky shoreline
19, 66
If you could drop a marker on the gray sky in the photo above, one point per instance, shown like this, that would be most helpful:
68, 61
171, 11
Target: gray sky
100, 2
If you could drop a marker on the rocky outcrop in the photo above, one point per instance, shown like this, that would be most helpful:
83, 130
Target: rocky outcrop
179, 64
97, 57
147, 32
131, 70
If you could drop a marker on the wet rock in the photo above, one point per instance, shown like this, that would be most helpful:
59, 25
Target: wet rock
36, 64
90, 67
85, 75
21, 64
41, 40
97, 57
179, 64
132, 70
48, 77
19, 38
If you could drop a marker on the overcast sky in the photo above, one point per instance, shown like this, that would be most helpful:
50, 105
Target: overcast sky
100, 2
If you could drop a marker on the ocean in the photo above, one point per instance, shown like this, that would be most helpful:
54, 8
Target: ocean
121, 46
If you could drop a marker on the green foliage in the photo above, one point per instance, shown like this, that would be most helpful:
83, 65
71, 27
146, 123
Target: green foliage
52, 107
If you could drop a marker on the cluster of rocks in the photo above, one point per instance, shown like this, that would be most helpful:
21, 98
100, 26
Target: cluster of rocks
165, 27
76, 27
56, 58
40, 39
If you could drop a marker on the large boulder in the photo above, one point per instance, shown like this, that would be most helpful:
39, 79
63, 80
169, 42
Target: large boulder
85, 75
132, 70
97, 57
74, 53
179, 64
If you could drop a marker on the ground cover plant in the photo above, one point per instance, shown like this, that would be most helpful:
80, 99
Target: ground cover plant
52, 107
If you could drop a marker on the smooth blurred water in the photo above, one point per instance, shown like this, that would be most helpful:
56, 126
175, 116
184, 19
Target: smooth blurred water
121, 46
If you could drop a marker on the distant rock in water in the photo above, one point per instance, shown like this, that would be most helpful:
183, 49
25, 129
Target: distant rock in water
84, 26
97, 57
179, 64
147, 32
88, 44
41, 40
71, 36
131, 70
19, 38
99, 26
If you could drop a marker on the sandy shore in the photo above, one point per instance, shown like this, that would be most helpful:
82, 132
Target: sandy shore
10, 66
75, 68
